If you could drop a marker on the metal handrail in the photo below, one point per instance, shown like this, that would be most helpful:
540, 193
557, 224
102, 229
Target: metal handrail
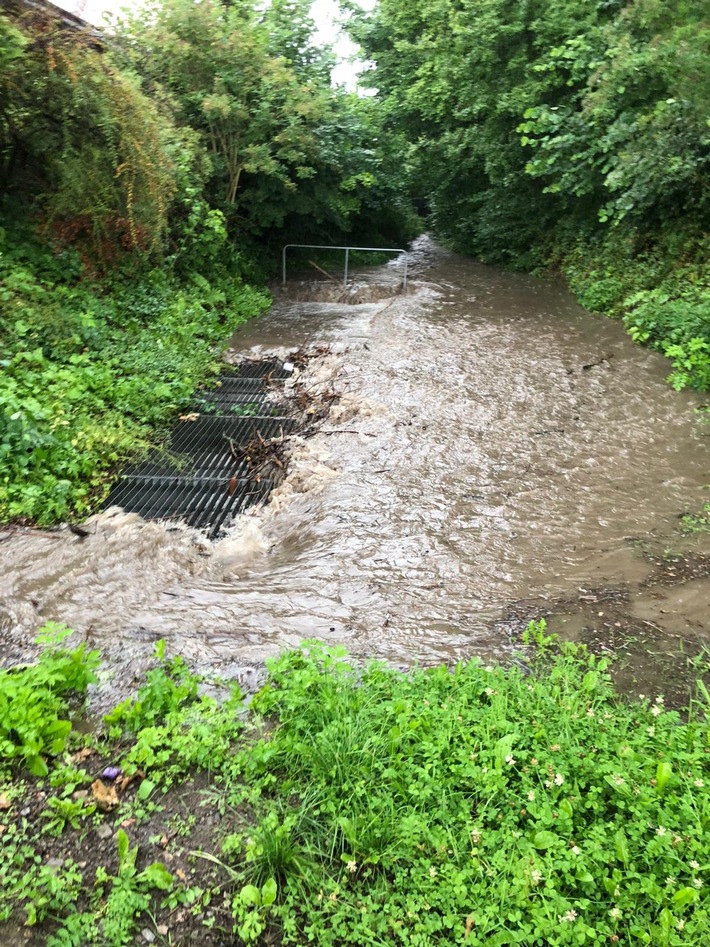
315, 246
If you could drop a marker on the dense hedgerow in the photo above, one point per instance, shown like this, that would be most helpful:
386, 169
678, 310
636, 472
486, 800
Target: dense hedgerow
574, 134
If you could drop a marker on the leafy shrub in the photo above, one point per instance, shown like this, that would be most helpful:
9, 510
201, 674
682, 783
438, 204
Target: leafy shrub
679, 327
33, 700
87, 376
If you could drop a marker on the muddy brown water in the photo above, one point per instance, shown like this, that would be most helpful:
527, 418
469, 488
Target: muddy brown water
494, 443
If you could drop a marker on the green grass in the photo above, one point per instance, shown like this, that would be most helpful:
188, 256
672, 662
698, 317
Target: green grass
477, 805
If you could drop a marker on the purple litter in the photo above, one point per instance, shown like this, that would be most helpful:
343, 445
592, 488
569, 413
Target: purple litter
111, 773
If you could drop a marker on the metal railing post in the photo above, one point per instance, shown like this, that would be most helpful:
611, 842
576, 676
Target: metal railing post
315, 246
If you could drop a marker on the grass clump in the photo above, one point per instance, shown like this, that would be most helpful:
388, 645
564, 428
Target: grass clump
483, 806
475, 805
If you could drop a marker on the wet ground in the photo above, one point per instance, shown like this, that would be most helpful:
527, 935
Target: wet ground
496, 453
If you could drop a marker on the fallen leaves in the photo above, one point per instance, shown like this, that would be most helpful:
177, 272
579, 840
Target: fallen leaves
83, 754
105, 796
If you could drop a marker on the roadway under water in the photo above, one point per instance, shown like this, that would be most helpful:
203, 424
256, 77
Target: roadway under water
496, 452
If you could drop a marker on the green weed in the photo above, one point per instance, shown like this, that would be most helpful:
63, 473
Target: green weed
477, 804
697, 522
61, 813
33, 700
117, 902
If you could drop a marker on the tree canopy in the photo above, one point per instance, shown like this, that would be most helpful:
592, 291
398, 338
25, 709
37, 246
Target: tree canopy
574, 134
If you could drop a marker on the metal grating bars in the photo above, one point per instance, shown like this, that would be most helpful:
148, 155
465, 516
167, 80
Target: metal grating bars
204, 478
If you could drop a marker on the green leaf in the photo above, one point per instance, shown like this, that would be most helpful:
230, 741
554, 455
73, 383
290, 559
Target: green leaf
157, 876
269, 890
545, 839
666, 921
684, 896
122, 844
503, 747
145, 789
37, 765
250, 894
621, 846
664, 771
565, 808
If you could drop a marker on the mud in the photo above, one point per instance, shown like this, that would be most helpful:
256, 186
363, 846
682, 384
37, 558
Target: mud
488, 442
656, 623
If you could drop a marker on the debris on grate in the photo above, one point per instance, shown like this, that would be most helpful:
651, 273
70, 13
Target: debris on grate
225, 454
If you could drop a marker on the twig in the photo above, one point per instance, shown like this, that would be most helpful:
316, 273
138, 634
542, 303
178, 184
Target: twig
324, 272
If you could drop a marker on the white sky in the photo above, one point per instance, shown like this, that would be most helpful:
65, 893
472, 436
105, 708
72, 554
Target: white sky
324, 13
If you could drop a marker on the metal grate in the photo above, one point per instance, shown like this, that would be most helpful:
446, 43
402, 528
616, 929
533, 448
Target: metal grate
202, 478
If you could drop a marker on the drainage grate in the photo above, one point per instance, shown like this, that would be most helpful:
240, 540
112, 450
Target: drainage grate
205, 478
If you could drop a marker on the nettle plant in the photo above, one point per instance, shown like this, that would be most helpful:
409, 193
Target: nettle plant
479, 805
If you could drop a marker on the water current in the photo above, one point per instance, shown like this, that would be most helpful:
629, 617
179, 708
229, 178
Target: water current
493, 442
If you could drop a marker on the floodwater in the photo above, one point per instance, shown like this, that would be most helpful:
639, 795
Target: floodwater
493, 443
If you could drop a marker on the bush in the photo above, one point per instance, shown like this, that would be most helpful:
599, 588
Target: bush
90, 369
663, 303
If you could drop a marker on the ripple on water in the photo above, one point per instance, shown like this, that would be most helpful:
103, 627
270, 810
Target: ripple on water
501, 446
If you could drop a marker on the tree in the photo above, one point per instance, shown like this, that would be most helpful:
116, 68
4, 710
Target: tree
530, 120
80, 143
255, 115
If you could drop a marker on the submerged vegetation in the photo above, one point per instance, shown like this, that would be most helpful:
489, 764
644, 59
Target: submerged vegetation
478, 805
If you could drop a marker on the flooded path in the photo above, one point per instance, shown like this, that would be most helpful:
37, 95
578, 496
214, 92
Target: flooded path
494, 444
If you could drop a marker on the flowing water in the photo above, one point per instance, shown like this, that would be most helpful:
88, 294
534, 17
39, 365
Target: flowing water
493, 442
